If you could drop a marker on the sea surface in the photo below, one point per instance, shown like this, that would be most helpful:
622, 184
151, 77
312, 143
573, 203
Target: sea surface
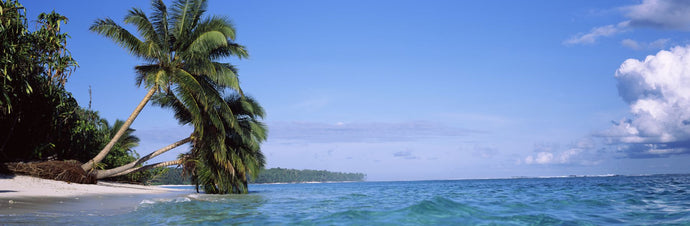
610, 200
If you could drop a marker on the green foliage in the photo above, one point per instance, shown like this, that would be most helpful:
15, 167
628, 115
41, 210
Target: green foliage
234, 156
279, 175
52, 52
40, 119
123, 153
170, 176
239, 150
25, 54
16, 59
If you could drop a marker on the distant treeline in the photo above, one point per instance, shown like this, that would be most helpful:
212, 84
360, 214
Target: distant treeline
273, 175
279, 175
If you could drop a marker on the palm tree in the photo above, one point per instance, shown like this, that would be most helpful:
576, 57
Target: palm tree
181, 50
123, 150
239, 148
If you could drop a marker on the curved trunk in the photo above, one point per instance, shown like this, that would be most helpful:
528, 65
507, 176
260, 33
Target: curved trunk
155, 165
91, 163
100, 174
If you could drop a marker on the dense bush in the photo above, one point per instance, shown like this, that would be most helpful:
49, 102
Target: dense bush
39, 119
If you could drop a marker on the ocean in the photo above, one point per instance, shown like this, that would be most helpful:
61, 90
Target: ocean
610, 200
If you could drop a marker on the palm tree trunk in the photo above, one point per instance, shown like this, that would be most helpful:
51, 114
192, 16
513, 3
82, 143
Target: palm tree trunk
91, 163
100, 174
155, 165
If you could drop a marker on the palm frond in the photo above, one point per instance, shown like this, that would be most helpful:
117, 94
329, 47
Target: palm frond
160, 23
108, 28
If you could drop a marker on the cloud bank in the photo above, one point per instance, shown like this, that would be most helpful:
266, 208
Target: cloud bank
361, 132
658, 92
660, 14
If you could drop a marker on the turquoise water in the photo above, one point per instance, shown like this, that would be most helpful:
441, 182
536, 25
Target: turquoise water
659, 199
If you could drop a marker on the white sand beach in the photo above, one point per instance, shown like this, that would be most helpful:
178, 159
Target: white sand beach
25, 186
30, 195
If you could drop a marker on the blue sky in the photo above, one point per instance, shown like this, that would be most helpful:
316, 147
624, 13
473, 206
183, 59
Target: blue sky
412, 90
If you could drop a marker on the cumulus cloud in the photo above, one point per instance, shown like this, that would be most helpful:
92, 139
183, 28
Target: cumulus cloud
597, 32
658, 92
657, 44
657, 14
577, 153
540, 158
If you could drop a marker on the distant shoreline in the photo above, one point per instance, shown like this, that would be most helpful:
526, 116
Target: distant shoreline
310, 182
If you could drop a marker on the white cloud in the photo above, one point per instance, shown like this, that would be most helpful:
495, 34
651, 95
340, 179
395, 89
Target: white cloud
544, 157
663, 14
631, 44
577, 153
597, 32
657, 44
657, 14
658, 92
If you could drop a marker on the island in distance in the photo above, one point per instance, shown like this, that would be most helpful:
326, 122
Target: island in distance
272, 175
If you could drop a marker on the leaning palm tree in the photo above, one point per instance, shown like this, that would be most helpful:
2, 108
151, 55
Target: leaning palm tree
179, 49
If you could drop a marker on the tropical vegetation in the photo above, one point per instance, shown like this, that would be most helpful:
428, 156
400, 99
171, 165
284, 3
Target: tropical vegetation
181, 52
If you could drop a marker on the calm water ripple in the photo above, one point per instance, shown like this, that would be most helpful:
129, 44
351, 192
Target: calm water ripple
659, 199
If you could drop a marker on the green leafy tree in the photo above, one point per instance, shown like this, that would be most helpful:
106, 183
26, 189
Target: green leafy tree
16, 60
36, 113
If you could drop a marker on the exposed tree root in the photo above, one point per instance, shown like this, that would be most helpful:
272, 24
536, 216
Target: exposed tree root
69, 171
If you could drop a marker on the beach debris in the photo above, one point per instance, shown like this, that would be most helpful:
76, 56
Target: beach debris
69, 171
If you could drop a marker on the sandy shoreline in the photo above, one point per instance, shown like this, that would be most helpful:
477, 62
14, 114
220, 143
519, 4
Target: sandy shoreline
30, 195
25, 186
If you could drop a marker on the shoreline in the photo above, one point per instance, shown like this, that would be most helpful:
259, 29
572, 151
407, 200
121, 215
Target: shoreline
17, 186
21, 195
